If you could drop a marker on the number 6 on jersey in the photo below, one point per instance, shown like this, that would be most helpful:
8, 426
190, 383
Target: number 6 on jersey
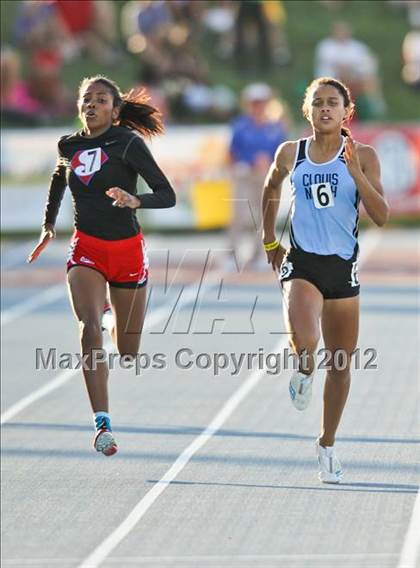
322, 195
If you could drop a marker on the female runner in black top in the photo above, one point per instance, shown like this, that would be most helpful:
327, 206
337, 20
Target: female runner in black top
101, 164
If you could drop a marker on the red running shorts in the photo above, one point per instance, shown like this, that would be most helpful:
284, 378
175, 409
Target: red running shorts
123, 263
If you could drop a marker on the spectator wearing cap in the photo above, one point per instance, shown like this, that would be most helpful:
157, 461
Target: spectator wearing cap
255, 136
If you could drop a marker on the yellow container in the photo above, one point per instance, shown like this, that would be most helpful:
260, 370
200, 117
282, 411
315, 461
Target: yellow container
212, 204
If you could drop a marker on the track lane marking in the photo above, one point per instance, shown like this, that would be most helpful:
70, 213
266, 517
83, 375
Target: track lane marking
102, 551
45, 297
189, 295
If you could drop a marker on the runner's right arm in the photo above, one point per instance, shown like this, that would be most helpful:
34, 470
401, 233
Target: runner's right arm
279, 170
55, 195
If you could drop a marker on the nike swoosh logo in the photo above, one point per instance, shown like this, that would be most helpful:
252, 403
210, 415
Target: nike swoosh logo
87, 260
110, 142
134, 274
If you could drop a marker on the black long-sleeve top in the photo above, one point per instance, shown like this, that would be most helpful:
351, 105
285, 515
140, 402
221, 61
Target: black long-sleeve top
91, 166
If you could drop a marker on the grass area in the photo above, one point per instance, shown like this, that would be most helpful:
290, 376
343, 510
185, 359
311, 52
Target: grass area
308, 21
373, 21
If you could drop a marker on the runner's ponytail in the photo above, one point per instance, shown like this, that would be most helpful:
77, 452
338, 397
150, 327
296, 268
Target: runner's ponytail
345, 131
137, 114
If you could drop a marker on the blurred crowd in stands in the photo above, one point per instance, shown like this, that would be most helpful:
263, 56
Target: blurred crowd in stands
341, 56
410, 51
165, 39
46, 35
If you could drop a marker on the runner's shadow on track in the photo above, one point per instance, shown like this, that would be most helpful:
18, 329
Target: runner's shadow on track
171, 430
196, 430
358, 487
280, 464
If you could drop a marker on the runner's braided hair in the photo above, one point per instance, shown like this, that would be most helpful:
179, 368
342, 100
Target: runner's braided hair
135, 112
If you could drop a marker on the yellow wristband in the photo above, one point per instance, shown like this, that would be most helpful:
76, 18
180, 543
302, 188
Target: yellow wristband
271, 246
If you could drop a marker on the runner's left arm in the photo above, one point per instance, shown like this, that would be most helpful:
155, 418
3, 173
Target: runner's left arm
363, 165
139, 157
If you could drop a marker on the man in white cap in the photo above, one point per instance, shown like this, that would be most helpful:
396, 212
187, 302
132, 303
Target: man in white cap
255, 137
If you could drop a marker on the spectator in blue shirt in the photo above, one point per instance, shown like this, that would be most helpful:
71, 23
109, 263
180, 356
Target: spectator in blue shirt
255, 137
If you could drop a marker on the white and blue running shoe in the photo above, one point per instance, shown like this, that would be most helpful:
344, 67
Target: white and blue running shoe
300, 389
329, 467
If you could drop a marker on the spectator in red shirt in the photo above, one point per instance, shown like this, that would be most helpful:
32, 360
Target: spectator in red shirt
91, 25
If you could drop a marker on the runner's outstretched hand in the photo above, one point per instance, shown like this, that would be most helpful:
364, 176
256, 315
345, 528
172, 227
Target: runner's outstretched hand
47, 233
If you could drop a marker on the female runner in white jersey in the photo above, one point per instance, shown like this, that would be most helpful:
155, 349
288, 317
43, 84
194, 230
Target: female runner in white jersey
330, 174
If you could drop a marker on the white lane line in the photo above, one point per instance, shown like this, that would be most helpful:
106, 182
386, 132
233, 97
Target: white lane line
102, 551
54, 293
61, 379
33, 303
368, 242
189, 295
114, 539
410, 553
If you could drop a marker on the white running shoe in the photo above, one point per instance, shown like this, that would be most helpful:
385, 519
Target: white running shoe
105, 442
329, 470
300, 389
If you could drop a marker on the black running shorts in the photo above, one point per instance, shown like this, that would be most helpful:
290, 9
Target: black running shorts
333, 276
